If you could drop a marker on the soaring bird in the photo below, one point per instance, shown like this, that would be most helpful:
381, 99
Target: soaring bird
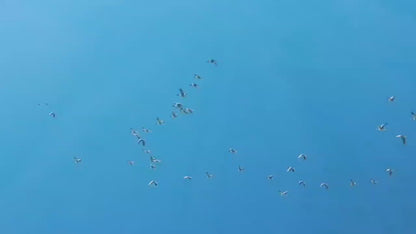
302, 156
147, 151
52, 114
382, 127
270, 177
194, 85
187, 177
212, 61
181, 93
324, 185
160, 121
152, 166
187, 111
301, 182
392, 98
178, 105
290, 169
353, 183
131, 163
174, 115
241, 169
141, 141
373, 181
198, 77
146, 130
413, 115
77, 160
133, 132
283, 193
232, 150
402, 137
209, 175
389, 171
155, 160
153, 183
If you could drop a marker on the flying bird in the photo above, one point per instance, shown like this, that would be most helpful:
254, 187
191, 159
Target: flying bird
187, 111
146, 130
389, 171
155, 160
131, 163
159, 121
77, 160
209, 175
187, 177
141, 141
182, 93
353, 183
174, 115
147, 151
413, 115
283, 193
373, 181
302, 156
212, 61
270, 177
403, 138
152, 166
232, 150
241, 169
153, 183
301, 182
324, 185
382, 127
198, 77
178, 105
52, 114
194, 85
392, 98
290, 169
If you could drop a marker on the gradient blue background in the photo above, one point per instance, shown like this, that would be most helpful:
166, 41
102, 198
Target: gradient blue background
293, 77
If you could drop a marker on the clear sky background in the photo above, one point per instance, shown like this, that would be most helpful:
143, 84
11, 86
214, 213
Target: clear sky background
293, 77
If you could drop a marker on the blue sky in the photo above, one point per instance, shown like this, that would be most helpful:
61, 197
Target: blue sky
293, 77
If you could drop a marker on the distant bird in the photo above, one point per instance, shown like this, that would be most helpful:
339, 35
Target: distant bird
141, 141
302, 156
324, 185
413, 115
52, 114
153, 183
134, 132
194, 85
290, 169
77, 160
147, 151
301, 182
174, 115
187, 177
159, 121
382, 127
155, 160
392, 98
198, 77
212, 61
209, 175
131, 163
241, 169
187, 111
232, 150
152, 166
146, 130
389, 171
403, 138
270, 177
283, 193
182, 93
178, 105
373, 181
353, 183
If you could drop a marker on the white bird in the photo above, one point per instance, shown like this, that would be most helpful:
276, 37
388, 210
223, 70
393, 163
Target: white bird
324, 185
134, 132
153, 183
52, 114
382, 127
232, 150
174, 115
194, 85
373, 181
283, 193
182, 93
209, 175
413, 115
198, 77
155, 160
389, 171
178, 105
403, 138
241, 169
77, 160
302, 156
392, 98
212, 61
159, 121
270, 177
187, 177
301, 182
290, 169
353, 183
131, 163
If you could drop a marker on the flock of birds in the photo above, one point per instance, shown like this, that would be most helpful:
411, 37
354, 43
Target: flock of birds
179, 108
